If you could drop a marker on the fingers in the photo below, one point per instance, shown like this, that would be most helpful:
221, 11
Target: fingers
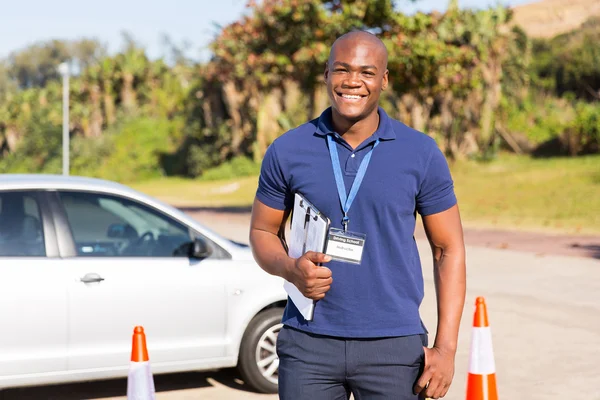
318, 293
313, 281
323, 273
316, 289
422, 382
438, 385
440, 392
434, 382
317, 257
425, 375
312, 271
435, 390
432, 389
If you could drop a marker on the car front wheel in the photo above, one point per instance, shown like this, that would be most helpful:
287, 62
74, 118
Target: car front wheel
258, 361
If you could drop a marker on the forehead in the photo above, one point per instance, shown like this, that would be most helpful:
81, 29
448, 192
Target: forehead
358, 51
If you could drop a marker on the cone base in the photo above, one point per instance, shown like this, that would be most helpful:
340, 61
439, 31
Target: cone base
482, 387
140, 382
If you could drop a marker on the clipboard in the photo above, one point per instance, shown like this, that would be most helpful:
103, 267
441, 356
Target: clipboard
309, 228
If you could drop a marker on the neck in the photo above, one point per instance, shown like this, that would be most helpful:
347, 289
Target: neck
355, 132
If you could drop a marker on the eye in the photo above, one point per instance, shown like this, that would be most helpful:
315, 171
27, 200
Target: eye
339, 70
370, 73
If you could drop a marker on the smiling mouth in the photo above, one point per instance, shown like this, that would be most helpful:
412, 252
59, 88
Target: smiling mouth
351, 97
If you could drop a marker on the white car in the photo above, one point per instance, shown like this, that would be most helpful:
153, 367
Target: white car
83, 261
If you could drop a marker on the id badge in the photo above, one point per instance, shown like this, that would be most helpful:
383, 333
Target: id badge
345, 246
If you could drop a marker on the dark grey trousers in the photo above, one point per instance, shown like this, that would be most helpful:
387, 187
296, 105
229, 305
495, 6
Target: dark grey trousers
315, 367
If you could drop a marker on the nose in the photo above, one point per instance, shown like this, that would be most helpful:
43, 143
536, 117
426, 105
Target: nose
352, 81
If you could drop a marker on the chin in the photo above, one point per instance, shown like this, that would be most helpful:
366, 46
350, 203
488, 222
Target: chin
351, 113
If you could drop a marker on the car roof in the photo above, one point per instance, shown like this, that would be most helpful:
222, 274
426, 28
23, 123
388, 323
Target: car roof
71, 182
45, 181
79, 183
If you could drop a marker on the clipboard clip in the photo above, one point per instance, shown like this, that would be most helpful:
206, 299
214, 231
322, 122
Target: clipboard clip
309, 209
307, 218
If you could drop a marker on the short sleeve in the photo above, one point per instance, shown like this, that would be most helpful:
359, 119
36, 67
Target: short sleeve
272, 185
436, 193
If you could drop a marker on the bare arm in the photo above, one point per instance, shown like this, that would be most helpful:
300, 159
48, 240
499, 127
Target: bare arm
444, 231
445, 234
270, 252
267, 239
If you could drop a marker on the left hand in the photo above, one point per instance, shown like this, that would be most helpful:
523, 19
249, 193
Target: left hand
437, 374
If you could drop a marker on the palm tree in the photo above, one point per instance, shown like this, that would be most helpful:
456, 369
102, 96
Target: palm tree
131, 65
107, 76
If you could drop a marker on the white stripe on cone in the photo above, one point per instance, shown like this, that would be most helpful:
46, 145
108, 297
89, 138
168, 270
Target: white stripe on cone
140, 383
482, 354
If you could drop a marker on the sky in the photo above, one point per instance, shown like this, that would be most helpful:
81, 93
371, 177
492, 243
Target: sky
25, 22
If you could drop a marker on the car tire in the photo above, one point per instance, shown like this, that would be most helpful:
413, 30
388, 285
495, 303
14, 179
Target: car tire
259, 344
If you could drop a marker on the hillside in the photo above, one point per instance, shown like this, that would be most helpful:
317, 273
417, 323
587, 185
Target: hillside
548, 18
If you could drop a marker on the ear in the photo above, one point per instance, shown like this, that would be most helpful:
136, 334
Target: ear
384, 83
326, 73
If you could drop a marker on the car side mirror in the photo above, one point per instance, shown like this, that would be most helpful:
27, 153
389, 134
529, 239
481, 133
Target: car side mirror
199, 249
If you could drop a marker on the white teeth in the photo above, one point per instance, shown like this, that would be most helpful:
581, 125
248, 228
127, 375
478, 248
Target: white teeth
351, 96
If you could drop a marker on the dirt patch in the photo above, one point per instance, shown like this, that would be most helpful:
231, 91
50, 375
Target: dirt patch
548, 18
533, 242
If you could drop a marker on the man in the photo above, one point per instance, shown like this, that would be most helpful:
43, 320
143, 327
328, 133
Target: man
366, 336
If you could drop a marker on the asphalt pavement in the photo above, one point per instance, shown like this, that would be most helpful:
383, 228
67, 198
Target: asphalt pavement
544, 313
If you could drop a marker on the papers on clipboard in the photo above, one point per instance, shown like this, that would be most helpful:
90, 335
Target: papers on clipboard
308, 232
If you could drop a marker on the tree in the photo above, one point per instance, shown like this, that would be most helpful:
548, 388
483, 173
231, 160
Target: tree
277, 46
450, 65
570, 62
37, 64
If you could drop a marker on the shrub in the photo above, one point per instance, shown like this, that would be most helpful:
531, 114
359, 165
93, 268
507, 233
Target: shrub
234, 168
136, 148
582, 136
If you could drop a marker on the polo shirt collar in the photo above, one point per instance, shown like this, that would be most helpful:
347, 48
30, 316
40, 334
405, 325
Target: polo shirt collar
385, 131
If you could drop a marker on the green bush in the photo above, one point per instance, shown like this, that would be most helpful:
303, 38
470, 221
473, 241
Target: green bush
540, 118
569, 62
136, 147
234, 168
130, 151
88, 154
204, 148
39, 151
583, 134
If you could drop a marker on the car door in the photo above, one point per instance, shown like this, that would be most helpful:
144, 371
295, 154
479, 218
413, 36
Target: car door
33, 290
129, 266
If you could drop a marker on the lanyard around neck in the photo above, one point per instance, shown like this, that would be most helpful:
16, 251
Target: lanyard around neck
346, 202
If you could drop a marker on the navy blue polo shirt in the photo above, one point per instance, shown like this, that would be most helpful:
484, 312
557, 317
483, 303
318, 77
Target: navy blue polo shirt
407, 174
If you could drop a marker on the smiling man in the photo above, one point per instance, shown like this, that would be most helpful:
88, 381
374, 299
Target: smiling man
370, 174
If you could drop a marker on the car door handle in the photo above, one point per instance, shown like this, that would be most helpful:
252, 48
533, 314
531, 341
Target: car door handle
92, 277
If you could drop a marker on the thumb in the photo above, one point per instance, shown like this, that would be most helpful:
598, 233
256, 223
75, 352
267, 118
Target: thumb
317, 257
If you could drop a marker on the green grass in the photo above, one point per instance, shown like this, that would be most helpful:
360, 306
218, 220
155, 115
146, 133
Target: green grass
556, 194
513, 192
189, 192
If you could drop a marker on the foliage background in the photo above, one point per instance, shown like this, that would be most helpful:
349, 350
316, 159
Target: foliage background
471, 79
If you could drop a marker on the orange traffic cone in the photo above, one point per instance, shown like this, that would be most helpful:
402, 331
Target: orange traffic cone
140, 384
481, 383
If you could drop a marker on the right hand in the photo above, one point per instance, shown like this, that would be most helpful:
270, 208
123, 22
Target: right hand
311, 280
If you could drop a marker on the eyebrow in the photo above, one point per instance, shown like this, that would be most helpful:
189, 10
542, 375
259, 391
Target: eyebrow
346, 65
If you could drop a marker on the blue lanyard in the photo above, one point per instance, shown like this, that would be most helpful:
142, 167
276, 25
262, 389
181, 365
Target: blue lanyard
346, 202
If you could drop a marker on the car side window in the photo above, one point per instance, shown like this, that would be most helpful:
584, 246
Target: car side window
21, 230
111, 226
